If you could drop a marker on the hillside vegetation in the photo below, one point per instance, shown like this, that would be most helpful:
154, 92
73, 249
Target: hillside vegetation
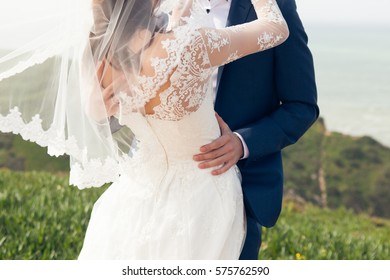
335, 170
327, 169
337, 188
19, 155
43, 218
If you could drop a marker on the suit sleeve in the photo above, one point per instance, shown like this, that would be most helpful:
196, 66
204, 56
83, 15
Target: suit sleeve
296, 89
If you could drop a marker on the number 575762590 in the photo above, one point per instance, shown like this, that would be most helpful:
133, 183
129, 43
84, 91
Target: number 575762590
237, 270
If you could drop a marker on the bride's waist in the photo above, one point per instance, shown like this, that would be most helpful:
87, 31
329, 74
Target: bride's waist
180, 151
160, 155
181, 155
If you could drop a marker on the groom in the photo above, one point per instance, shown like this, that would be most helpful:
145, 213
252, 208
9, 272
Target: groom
269, 100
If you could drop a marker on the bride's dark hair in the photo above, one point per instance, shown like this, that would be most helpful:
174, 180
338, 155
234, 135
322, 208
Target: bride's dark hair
134, 15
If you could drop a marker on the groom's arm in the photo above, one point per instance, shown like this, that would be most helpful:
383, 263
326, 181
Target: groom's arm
296, 89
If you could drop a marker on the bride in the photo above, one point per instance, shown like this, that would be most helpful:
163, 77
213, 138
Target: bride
154, 77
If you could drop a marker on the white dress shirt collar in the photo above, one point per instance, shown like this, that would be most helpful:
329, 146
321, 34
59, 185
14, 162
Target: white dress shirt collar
218, 11
213, 3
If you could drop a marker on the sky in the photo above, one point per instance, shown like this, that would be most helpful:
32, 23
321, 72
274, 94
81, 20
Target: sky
354, 12
22, 21
312, 12
26, 11
318, 11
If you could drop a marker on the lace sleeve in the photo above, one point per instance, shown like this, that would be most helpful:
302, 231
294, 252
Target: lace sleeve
231, 43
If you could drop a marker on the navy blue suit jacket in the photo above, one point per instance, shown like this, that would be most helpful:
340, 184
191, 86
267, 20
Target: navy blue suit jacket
269, 98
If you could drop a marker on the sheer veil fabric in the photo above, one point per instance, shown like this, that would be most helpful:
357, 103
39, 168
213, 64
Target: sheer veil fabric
148, 64
53, 85
50, 92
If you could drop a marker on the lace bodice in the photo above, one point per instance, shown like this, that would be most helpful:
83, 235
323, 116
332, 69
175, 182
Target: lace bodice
183, 65
168, 104
179, 86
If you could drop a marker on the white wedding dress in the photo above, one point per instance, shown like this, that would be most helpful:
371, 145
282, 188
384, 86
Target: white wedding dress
168, 208
164, 206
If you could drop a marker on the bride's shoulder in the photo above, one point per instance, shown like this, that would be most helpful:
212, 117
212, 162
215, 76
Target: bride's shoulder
159, 39
172, 42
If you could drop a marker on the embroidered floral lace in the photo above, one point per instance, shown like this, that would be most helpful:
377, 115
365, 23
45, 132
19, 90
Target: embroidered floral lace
178, 87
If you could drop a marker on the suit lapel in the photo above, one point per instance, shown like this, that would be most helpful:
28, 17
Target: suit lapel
238, 13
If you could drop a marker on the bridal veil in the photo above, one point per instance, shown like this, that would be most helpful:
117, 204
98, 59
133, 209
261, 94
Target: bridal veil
52, 60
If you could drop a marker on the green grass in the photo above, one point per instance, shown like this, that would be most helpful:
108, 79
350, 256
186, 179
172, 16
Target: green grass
17, 154
41, 217
312, 233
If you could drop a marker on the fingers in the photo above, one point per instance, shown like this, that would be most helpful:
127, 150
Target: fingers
223, 169
110, 101
215, 145
108, 92
224, 163
216, 162
214, 157
223, 157
112, 110
112, 105
222, 125
222, 153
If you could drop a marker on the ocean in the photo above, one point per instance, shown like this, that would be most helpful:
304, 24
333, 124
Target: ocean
352, 65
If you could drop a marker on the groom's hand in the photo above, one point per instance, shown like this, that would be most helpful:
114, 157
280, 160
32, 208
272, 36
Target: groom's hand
224, 152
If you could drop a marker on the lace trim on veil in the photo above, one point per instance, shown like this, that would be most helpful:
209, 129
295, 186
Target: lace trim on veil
36, 59
88, 172
83, 174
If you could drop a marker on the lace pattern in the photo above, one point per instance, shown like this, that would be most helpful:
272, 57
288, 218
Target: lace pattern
85, 173
191, 54
271, 12
183, 65
189, 83
215, 40
268, 40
